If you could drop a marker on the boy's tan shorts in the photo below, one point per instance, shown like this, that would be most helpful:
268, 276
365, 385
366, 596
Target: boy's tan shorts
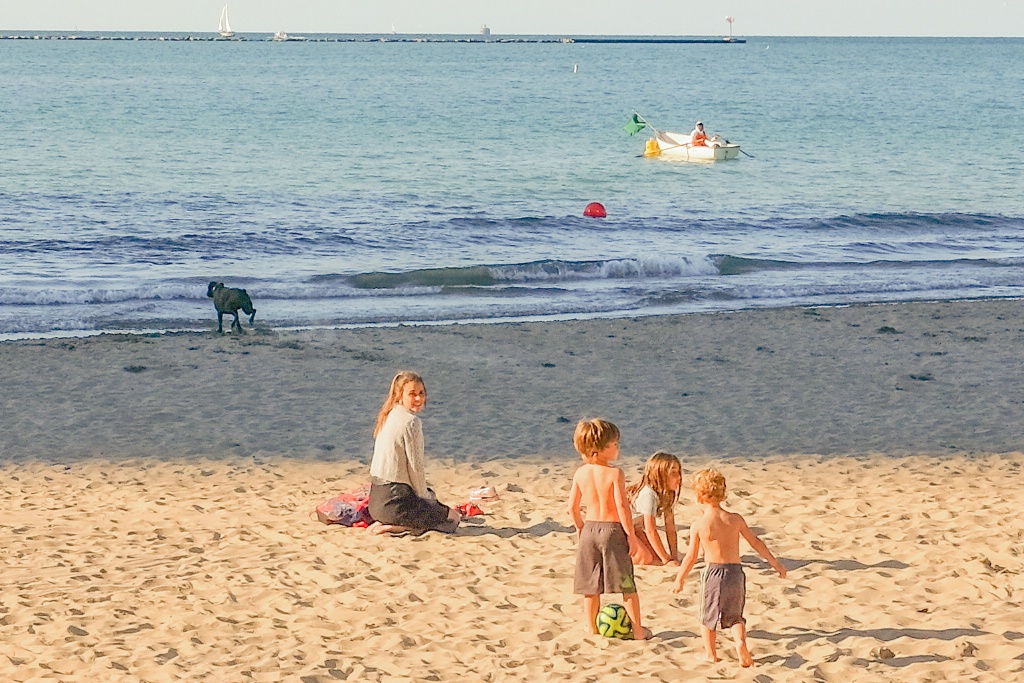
603, 564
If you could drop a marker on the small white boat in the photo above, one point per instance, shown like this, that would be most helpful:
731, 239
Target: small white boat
677, 146
280, 37
224, 28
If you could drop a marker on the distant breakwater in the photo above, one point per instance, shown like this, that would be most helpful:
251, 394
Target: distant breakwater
203, 37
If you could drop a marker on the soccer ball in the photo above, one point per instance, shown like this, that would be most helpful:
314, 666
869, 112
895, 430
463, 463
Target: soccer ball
613, 622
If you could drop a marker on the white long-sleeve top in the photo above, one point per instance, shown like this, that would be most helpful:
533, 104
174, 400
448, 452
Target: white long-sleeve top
398, 451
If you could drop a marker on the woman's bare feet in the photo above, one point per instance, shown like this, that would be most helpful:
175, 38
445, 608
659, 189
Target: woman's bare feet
378, 528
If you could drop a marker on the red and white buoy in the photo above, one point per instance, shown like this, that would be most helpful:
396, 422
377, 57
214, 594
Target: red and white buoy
595, 210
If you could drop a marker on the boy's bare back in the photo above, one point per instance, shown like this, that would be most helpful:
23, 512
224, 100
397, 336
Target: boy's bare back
602, 490
719, 532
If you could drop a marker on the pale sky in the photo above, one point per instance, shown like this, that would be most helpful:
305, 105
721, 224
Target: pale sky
525, 17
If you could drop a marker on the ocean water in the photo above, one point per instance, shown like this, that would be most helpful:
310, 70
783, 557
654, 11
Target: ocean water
352, 183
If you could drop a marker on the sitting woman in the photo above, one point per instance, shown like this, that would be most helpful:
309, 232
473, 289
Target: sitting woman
399, 497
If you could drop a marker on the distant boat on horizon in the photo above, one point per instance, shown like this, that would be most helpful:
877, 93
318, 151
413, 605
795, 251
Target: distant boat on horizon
224, 27
484, 31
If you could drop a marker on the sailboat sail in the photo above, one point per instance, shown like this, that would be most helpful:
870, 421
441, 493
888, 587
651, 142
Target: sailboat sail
225, 27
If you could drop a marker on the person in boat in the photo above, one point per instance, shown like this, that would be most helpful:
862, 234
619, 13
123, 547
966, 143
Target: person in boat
698, 138
399, 497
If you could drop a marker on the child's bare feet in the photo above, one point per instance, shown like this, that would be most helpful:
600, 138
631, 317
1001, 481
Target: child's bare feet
746, 659
710, 648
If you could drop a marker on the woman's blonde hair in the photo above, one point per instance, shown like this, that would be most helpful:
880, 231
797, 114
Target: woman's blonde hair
395, 395
709, 486
656, 474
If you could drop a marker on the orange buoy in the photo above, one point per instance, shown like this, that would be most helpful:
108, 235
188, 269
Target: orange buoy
595, 210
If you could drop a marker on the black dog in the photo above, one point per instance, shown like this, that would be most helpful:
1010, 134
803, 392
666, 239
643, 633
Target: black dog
229, 300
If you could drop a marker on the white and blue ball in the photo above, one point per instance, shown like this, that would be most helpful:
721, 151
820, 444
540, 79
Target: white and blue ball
613, 622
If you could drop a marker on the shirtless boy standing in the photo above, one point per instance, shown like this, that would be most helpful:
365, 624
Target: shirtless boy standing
723, 588
606, 536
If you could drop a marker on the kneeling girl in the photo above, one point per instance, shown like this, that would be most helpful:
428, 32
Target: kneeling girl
652, 497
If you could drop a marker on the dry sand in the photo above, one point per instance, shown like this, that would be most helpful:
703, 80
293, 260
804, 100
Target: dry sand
156, 497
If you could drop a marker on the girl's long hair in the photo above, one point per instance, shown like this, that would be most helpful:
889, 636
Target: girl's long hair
395, 395
656, 475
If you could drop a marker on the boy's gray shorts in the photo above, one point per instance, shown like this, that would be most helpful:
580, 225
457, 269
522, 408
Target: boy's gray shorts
723, 592
603, 564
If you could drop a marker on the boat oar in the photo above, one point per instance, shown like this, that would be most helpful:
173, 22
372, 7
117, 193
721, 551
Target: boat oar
662, 149
741, 149
658, 137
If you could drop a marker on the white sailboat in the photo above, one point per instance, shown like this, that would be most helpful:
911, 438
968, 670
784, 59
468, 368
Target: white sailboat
224, 28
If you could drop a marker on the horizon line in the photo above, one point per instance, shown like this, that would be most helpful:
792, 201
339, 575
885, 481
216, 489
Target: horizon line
22, 32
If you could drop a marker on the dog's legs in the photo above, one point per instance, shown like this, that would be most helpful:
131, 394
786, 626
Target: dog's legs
252, 317
236, 323
220, 322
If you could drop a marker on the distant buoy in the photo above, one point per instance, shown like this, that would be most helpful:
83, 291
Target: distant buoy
575, 68
595, 210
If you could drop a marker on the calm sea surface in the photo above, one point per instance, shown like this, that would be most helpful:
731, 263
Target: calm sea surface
380, 182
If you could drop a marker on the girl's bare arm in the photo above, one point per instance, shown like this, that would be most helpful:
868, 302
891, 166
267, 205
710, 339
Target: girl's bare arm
651, 529
672, 534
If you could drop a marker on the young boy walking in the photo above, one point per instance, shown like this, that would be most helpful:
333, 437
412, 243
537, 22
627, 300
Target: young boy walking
723, 588
606, 536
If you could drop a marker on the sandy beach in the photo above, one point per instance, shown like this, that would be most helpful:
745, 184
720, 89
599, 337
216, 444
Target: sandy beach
155, 509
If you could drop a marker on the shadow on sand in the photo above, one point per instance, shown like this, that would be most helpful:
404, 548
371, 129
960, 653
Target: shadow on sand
755, 562
795, 637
